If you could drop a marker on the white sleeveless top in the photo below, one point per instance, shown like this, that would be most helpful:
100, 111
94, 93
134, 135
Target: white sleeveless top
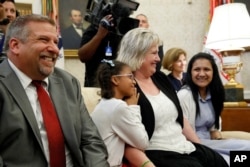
167, 134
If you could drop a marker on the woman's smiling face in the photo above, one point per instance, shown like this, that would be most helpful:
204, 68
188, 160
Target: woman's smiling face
202, 72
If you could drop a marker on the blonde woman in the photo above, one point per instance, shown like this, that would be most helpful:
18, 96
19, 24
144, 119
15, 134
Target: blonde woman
175, 60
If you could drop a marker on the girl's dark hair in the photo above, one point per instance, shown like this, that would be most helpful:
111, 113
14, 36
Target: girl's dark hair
215, 87
105, 71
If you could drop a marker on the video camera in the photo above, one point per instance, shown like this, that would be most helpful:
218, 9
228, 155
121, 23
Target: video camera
120, 11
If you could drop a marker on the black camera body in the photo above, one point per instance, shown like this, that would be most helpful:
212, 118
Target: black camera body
120, 11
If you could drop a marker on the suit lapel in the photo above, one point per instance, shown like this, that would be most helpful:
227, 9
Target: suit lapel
12, 83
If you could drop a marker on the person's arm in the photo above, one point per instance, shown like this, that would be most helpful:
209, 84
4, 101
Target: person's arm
87, 50
126, 123
188, 108
215, 135
189, 132
137, 158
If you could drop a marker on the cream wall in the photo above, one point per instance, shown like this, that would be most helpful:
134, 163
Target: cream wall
179, 23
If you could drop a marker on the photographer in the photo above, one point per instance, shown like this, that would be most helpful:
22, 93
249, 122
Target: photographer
101, 40
92, 51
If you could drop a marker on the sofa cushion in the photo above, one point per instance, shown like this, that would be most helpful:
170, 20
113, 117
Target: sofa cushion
91, 96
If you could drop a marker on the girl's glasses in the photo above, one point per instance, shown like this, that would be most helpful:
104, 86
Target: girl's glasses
130, 76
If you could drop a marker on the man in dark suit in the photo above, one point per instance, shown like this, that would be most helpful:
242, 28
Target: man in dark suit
72, 35
31, 47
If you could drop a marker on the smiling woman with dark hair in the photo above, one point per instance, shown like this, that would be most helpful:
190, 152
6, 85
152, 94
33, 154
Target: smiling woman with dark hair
202, 103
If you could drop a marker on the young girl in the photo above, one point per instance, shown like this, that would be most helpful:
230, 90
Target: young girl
117, 115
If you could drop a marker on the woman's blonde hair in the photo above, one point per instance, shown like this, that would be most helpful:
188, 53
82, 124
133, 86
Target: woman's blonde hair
134, 45
171, 56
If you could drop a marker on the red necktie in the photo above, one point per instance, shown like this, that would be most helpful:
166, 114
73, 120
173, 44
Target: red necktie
52, 126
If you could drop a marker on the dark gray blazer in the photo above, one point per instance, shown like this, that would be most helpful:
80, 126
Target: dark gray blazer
20, 140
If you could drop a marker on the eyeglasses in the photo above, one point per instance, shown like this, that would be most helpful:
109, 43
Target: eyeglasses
130, 76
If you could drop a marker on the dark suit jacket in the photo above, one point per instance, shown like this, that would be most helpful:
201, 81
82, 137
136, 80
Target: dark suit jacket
20, 140
70, 38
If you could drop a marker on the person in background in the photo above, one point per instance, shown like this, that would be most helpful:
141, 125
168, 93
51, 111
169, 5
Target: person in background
10, 13
72, 35
172, 141
117, 115
175, 60
28, 76
202, 100
2, 15
102, 38
97, 44
3, 27
145, 24
10, 9
143, 20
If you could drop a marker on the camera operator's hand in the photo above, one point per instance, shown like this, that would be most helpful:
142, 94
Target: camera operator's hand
87, 50
105, 24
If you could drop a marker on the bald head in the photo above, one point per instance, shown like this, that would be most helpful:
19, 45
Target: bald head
143, 20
